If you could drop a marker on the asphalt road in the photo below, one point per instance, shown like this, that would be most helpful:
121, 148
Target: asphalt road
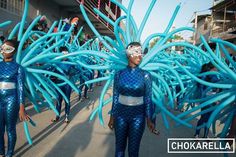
84, 138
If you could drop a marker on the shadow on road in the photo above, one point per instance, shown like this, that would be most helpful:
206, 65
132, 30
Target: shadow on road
76, 106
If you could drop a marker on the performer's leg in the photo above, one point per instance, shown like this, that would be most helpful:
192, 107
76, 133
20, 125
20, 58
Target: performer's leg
11, 119
86, 92
199, 123
232, 130
81, 86
2, 132
177, 102
60, 99
67, 105
136, 129
92, 77
98, 76
121, 134
206, 130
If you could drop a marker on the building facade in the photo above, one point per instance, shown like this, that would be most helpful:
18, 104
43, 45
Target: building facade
202, 24
55, 10
221, 23
224, 20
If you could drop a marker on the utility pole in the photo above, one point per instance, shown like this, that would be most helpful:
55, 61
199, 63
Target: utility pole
195, 27
225, 11
212, 21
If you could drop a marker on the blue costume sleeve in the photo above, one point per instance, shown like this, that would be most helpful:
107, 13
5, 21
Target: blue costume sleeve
115, 94
20, 86
215, 79
149, 109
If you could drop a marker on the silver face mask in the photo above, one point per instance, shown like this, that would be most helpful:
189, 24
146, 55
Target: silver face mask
65, 52
7, 49
134, 51
40, 28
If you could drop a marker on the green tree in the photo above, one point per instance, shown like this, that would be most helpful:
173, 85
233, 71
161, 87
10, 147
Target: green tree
153, 42
178, 37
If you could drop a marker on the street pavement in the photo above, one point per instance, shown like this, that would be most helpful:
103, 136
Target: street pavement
84, 138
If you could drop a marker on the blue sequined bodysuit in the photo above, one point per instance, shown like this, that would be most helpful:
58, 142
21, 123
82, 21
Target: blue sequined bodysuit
66, 89
130, 120
10, 99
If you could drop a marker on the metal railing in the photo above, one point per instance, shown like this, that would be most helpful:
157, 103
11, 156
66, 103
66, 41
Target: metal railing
91, 4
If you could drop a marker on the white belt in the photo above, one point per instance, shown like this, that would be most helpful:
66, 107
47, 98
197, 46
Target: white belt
130, 100
7, 85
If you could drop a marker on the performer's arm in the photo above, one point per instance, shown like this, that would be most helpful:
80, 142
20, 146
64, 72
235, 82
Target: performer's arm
115, 94
149, 108
21, 96
20, 86
114, 101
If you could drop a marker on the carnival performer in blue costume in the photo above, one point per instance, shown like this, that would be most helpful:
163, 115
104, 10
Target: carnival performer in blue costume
66, 89
205, 117
132, 103
86, 74
11, 96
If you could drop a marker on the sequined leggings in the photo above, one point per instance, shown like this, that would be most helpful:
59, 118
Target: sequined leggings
9, 111
131, 129
66, 89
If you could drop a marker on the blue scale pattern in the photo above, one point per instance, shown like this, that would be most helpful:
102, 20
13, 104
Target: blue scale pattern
132, 82
10, 100
129, 121
66, 89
